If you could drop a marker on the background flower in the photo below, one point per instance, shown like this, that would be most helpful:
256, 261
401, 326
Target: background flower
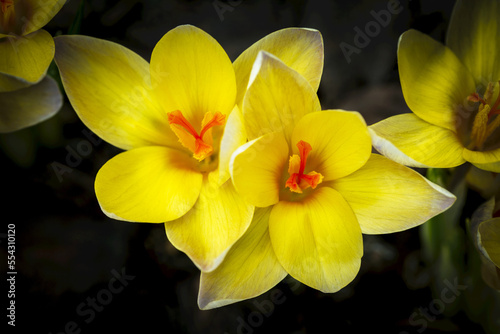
485, 232
27, 96
453, 91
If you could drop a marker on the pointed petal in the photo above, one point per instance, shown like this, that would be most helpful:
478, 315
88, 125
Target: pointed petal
277, 98
339, 139
25, 58
109, 87
488, 160
410, 141
29, 106
257, 168
388, 197
300, 49
434, 81
150, 184
318, 241
482, 213
217, 220
192, 73
233, 137
31, 15
39, 13
489, 238
476, 43
249, 269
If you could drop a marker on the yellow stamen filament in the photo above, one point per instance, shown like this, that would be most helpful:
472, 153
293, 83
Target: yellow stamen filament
200, 144
487, 119
299, 181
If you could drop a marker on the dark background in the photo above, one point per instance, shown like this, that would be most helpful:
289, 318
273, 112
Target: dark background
67, 250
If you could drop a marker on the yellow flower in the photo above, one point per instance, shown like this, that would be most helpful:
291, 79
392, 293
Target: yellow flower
485, 230
178, 120
453, 91
317, 187
27, 97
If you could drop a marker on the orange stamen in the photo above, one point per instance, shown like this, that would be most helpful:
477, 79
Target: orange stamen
299, 181
201, 148
176, 117
484, 123
474, 97
6, 4
217, 119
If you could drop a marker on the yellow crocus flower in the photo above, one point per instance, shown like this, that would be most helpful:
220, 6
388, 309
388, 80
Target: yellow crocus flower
179, 122
27, 96
484, 228
453, 91
317, 187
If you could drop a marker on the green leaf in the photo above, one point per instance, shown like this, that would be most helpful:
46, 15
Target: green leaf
76, 26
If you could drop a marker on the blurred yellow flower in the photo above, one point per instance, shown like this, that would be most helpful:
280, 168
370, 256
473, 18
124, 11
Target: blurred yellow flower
317, 187
27, 97
179, 122
485, 231
453, 91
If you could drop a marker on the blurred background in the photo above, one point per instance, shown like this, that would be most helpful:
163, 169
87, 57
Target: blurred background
68, 251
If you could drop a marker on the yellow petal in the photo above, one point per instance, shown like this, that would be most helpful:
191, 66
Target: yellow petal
25, 58
475, 42
434, 81
9, 83
483, 182
31, 15
388, 197
109, 87
339, 139
300, 49
489, 238
249, 269
29, 106
318, 241
192, 73
233, 137
257, 169
491, 167
488, 160
216, 221
410, 141
277, 98
149, 184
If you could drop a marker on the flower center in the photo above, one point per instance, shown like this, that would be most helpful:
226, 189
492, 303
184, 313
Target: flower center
487, 119
299, 181
200, 144
7, 8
